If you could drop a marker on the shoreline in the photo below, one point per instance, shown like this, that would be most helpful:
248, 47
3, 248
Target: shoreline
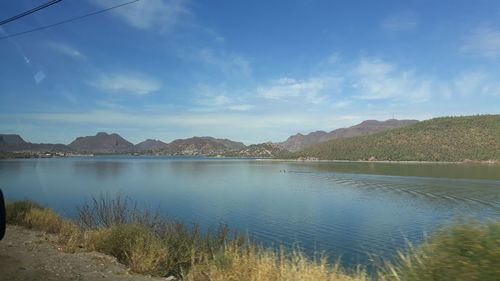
467, 161
493, 162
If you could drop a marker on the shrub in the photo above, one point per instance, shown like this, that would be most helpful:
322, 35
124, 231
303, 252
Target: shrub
43, 219
106, 211
16, 211
133, 245
70, 236
466, 251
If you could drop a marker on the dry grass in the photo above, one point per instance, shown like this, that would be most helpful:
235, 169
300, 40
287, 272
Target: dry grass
44, 220
70, 236
16, 211
133, 245
33, 216
255, 263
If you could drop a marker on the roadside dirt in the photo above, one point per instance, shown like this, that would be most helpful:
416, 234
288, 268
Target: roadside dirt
33, 255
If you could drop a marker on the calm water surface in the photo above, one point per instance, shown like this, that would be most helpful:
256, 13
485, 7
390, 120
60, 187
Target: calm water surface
348, 209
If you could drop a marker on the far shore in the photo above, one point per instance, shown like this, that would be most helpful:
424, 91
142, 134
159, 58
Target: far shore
380, 161
306, 160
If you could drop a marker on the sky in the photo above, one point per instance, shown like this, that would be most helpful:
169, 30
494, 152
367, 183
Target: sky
250, 71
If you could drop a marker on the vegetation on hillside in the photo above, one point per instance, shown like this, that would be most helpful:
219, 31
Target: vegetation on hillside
440, 139
148, 244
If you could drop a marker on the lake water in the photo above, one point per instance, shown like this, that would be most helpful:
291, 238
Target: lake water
347, 209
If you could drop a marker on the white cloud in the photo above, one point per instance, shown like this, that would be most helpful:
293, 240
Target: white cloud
241, 107
403, 21
341, 104
289, 89
138, 84
228, 63
476, 83
39, 76
482, 42
65, 49
213, 101
218, 98
376, 79
210, 97
160, 14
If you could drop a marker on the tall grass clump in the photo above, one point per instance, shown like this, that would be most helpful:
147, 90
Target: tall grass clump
468, 251
31, 215
44, 220
16, 211
257, 263
146, 242
106, 211
133, 245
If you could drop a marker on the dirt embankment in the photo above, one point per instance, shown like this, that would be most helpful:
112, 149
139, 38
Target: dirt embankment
33, 255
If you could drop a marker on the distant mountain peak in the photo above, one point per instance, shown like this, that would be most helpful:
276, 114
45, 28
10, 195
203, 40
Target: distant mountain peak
150, 144
11, 139
202, 146
102, 143
12, 142
299, 141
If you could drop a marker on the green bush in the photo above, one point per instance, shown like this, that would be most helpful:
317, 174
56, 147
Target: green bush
466, 251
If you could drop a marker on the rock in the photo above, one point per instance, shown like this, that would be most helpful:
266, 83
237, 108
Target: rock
171, 278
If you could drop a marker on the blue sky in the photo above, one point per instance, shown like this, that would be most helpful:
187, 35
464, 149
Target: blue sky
252, 71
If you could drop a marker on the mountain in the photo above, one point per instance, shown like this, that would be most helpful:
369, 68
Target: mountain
438, 139
102, 143
6, 139
149, 145
201, 146
262, 150
10, 142
299, 141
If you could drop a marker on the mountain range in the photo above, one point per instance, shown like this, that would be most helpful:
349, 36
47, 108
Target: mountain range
113, 143
453, 139
299, 141
11, 142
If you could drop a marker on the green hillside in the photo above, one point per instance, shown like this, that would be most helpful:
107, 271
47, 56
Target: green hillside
439, 139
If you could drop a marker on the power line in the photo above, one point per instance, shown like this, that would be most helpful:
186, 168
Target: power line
36, 9
68, 20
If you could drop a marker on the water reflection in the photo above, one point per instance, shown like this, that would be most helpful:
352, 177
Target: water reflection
437, 170
100, 169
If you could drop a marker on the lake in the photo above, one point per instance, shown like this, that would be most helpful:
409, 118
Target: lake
348, 209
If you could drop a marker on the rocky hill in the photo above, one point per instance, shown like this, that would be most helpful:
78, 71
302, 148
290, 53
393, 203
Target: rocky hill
150, 145
440, 139
263, 150
201, 146
11, 142
299, 141
102, 143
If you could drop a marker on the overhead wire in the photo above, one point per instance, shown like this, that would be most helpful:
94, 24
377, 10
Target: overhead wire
23, 14
68, 20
